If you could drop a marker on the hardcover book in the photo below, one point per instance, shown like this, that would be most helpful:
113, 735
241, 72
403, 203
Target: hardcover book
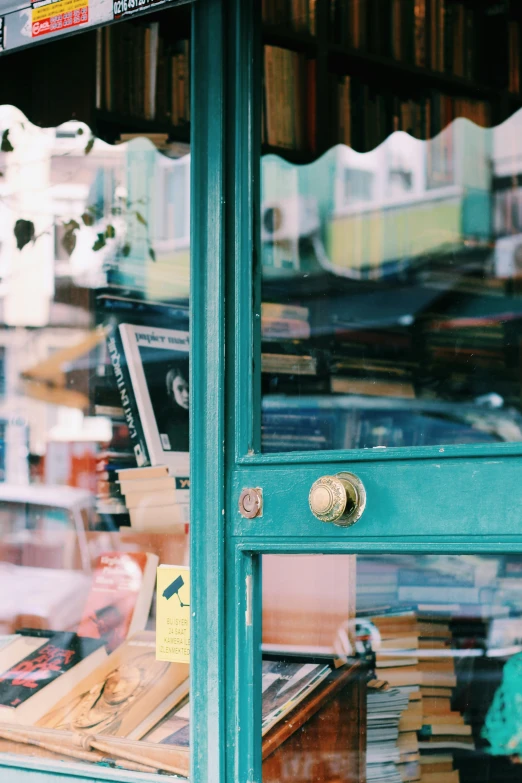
119, 601
46, 674
122, 695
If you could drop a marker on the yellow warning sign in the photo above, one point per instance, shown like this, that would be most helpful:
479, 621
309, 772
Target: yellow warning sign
173, 614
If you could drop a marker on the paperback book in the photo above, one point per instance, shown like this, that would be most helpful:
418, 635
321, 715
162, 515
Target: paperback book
119, 601
40, 678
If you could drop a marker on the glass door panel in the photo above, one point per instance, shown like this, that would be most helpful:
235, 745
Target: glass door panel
391, 226
391, 668
94, 450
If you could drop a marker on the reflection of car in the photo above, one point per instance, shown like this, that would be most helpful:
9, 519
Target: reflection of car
45, 526
44, 555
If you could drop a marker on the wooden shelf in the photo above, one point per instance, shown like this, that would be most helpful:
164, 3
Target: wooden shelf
114, 124
329, 724
288, 39
364, 63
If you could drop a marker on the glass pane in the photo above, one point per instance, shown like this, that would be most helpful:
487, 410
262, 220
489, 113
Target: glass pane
391, 668
391, 225
94, 355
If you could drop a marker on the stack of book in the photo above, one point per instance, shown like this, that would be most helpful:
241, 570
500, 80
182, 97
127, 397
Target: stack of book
465, 353
289, 106
116, 457
385, 706
298, 430
372, 362
155, 500
444, 731
396, 661
377, 583
284, 322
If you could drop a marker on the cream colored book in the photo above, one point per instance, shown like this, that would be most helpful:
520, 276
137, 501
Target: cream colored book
150, 499
121, 693
143, 474
160, 519
163, 484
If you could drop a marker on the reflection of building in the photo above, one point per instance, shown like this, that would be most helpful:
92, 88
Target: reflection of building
381, 210
507, 197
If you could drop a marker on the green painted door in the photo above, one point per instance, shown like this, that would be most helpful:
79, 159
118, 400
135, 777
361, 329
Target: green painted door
358, 304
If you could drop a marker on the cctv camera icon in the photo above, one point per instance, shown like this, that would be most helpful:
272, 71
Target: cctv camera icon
173, 589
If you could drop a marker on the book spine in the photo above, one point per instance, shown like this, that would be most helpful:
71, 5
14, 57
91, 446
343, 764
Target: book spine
99, 67
128, 401
108, 69
420, 33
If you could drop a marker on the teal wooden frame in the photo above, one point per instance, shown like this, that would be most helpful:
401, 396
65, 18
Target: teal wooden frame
208, 392
460, 504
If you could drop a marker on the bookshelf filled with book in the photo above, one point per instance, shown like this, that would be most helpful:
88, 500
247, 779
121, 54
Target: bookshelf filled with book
135, 80
366, 69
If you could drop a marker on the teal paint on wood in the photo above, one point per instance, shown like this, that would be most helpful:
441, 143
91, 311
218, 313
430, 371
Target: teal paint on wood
207, 394
243, 234
423, 499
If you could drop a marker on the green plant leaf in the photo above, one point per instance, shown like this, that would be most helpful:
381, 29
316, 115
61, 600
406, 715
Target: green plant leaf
110, 232
88, 219
90, 145
6, 145
24, 233
140, 219
125, 251
152, 254
80, 131
69, 241
99, 243
71, 225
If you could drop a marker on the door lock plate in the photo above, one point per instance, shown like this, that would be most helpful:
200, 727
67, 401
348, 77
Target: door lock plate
251, 503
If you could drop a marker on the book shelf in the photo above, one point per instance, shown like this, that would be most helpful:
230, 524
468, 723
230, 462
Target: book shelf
127, 78
392, 52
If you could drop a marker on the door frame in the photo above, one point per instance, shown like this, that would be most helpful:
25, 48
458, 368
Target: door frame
225, 434
207, 391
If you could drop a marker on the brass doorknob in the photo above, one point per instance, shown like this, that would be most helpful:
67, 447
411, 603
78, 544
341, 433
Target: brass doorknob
340, 499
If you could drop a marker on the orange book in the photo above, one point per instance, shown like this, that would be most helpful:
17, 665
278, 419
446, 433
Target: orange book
119, 600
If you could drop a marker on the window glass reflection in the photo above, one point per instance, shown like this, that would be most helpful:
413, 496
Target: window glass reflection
94, 445
391, 303
402, 667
